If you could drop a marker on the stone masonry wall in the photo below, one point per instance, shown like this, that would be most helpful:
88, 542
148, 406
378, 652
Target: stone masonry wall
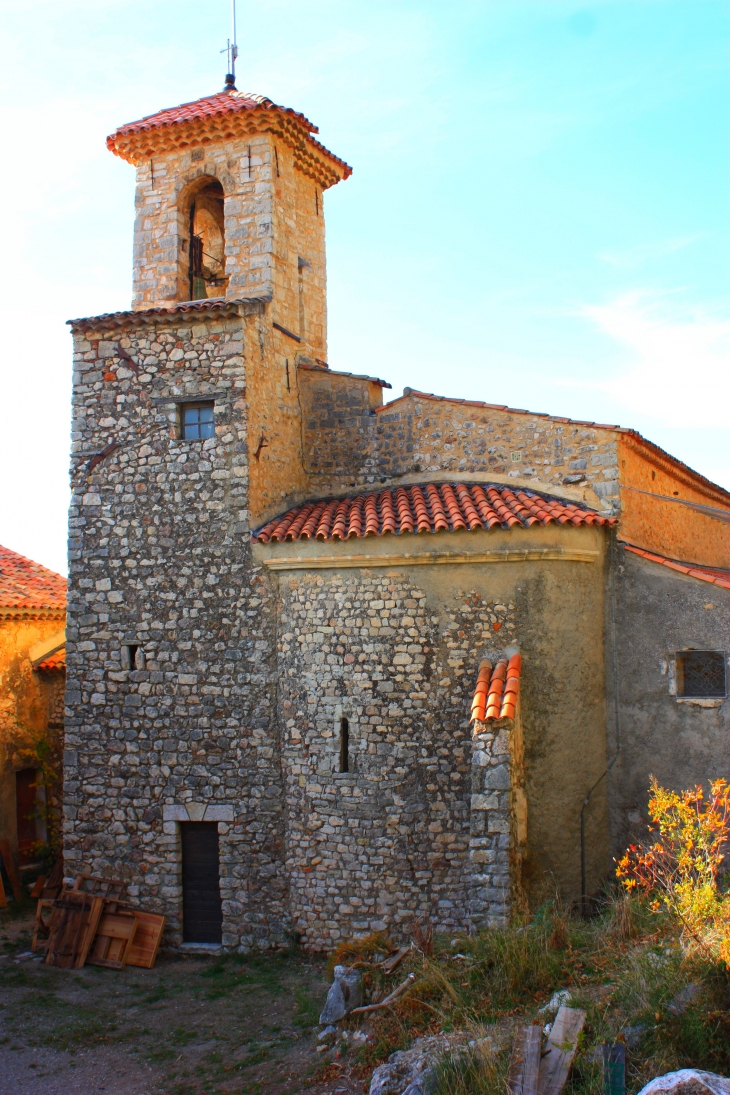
369, 848
338, 412
428, 436
274, 217
160, 558
494, 837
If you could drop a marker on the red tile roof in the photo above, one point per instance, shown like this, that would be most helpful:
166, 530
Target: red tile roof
223, 102
27, 588
433, 507
495, 695
53, 662
705, 574
224, 116
132, 316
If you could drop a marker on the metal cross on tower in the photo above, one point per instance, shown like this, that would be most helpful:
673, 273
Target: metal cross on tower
232, 51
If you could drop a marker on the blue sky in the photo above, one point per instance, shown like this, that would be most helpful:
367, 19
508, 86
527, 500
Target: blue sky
538, 215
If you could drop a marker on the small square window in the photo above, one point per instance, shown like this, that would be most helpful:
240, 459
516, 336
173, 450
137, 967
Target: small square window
196, 421
701, 674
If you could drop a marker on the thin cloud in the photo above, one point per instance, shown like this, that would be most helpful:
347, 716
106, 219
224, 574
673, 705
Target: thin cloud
632, 257
676, 370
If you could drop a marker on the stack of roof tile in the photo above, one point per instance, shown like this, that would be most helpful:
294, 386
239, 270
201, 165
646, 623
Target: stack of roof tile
495, 695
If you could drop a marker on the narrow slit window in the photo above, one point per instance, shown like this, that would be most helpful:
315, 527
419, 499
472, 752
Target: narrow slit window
701, 674
129, 656
196, 421
344, 745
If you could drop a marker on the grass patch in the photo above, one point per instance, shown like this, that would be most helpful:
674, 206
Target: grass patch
470, 1073
627, 968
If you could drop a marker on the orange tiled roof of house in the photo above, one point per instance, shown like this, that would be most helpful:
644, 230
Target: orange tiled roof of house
433, 507
705, 574
221, 116
27, 588
495, 695
54, 661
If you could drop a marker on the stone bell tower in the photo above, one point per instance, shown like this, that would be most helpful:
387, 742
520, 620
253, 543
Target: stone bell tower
186, 434
229, 204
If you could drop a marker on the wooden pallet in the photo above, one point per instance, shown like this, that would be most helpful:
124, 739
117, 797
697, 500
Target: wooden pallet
74, 920
148, 937
113, 940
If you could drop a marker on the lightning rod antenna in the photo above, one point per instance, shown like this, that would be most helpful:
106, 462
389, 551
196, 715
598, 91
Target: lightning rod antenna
232, 51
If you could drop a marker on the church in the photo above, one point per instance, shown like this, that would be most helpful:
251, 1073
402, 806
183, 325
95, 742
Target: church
336, 662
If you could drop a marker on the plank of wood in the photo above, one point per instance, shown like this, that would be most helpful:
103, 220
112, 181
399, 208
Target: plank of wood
109, 888
524, 1064
562, 1044
54, 882
389, 964
42, 925
114, 937
144, 948
367, 1008
97, 908
10, 871
38, 885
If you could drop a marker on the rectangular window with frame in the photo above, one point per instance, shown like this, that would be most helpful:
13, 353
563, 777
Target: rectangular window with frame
701, 674
196, 421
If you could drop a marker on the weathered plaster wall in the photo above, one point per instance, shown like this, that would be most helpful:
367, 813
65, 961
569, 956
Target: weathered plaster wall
28, 703
159, 557
659, 612
667, 527
557, 619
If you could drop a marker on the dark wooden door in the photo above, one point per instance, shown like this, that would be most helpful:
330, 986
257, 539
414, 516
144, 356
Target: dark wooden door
26, 804
202, 913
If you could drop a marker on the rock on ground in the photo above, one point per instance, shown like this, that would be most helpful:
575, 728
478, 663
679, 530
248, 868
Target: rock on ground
412, 1071
688, 1081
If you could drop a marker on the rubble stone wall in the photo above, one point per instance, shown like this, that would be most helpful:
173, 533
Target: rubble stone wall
417, 436
389, 839
160, 558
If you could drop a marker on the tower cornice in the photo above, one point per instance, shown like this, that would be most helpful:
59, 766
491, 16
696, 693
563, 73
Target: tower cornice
228, 115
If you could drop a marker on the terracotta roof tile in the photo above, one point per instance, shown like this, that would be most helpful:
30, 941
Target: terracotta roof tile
223, 102
29, 588
497, 687
218, 117
124, 319
55, 661
705, 574
432, 507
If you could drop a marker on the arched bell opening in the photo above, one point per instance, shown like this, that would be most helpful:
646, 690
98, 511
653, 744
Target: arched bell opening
203, 266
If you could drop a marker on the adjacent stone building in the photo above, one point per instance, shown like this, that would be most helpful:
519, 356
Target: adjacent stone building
32, 676
334, 664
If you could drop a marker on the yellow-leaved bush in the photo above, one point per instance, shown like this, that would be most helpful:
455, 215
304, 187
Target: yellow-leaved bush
680, 867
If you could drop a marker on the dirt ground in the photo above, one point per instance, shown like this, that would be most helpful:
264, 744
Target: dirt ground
236, 1025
